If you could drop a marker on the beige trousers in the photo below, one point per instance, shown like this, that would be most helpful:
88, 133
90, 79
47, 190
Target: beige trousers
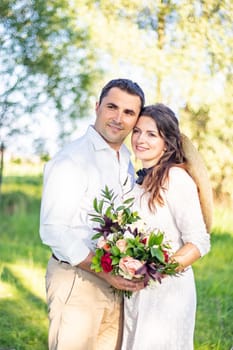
83, 312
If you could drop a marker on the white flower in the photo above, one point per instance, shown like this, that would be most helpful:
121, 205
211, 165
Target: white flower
110, 237
128, 234
101, 242
119, 217
139, 225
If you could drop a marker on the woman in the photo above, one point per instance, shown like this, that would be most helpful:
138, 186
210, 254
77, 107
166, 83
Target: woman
162, 316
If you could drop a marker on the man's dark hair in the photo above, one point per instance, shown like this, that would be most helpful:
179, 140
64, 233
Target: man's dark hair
125, 85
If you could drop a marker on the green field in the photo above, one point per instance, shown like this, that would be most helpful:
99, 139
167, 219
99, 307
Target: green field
23, 259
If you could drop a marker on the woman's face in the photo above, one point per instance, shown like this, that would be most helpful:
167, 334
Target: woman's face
147, 144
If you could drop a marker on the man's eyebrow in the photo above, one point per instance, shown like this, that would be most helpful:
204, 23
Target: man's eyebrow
127, 110
132, 111
112, 104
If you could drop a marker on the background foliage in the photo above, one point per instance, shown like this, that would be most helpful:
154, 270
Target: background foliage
56, 55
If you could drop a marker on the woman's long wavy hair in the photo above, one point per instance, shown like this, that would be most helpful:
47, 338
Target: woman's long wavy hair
168, 128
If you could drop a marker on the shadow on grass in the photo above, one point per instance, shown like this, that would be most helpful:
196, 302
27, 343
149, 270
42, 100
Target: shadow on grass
33, 253
18, 202
19, 228
21, 180
23, 318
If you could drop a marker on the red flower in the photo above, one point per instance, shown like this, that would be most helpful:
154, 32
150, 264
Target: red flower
144, 240
166, 256
106, 262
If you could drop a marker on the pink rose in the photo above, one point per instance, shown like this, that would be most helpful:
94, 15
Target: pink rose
121, 244
129, 266
106, 262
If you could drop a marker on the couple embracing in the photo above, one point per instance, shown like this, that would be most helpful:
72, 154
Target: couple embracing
84, 314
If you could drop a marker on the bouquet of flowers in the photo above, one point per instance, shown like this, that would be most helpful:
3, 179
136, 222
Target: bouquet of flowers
123, 248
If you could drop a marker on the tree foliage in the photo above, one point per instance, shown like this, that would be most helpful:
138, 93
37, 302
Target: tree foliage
45, 60
184, 52
180, 51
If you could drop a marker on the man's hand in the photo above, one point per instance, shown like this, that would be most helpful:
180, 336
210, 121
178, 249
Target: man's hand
115, 281
122, 283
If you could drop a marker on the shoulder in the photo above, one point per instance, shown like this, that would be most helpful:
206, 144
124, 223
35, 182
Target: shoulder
72, 158
60, 168
180, 182
180, 176
74, 153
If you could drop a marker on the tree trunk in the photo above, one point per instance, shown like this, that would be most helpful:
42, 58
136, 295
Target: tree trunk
1, 164
160, 45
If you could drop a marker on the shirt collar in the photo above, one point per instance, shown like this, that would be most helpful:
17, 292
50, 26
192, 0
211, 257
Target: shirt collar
99, 143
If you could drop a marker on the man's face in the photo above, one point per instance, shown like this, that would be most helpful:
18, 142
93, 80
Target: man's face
116, 115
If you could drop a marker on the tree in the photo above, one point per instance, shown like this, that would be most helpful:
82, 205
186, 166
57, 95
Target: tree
45, 60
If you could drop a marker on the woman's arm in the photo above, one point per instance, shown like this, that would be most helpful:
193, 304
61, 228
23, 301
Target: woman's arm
183, 201
186, 256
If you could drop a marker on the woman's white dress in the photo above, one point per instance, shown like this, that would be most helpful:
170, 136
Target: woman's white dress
162, 316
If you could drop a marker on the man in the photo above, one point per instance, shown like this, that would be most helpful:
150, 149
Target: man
83, 312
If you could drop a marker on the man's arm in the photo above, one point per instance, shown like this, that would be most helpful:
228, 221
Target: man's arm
64, 189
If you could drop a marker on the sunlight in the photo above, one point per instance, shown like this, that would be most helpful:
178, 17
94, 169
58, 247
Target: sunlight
6, 290
32, 277
222, 220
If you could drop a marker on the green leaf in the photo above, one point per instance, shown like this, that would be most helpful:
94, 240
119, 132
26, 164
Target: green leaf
155, 239
157, 253
108, 194
98, 219
134, 219
108, 212
129, 251
128, 212
128, 201
114, 197
95, 215
95, 205
130, 242
96, 268
101, 203
96, 236
115, 251
120, 208
95, 260
99, 253
115, 260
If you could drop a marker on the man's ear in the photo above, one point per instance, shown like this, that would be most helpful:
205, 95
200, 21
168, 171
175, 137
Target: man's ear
96, 106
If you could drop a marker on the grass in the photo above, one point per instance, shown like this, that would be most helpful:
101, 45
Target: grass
215, 295
23, 310
23, 259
